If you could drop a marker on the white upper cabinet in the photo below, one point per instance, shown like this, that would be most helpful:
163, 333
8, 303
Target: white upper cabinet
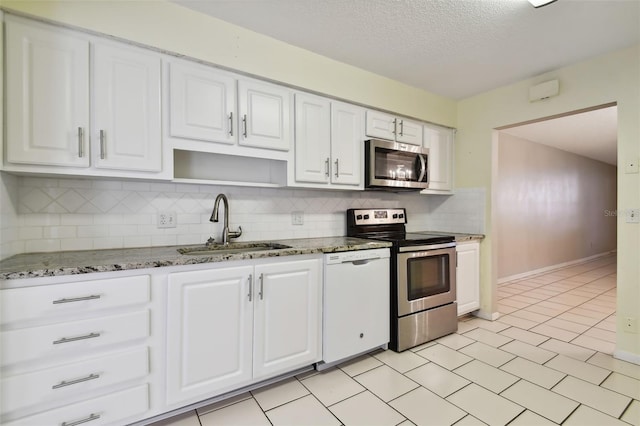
126, 108
439, 140
329, 139
78, 105
47, 95
386, 126
347, 143
313, 139
264, 115
202, 103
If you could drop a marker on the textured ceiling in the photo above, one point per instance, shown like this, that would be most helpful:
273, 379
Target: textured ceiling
454, 48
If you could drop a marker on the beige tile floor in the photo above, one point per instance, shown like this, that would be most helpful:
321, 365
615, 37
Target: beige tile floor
546, 361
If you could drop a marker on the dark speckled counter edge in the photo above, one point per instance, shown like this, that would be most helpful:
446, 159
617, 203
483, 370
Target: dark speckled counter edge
34, 265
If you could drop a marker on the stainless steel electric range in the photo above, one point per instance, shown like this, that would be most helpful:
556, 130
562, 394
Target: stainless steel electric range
423, 276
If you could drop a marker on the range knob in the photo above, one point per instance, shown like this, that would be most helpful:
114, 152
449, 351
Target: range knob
359, 217
395, 216
401, 215
366, 216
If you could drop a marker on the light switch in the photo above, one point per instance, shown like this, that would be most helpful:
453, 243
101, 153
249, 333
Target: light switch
631, 166
633, 216
297, 218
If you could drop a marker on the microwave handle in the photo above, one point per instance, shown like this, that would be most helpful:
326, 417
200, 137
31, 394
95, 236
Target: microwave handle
423, 168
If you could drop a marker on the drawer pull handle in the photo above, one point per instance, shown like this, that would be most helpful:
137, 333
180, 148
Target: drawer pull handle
91, 418
73, 339
76, 381
231, 123
76, 299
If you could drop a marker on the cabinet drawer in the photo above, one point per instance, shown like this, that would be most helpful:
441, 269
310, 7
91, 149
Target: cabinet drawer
71, 381
40, 302
72, 338
105, 410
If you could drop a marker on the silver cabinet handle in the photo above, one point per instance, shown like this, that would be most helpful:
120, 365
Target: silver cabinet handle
231, 123
79, 422
76, 299
395, 125
102, 145
244, 125
250, 287
73, 339
76, 381
326, 167
261, 293
401, 127
80, 142
337, 172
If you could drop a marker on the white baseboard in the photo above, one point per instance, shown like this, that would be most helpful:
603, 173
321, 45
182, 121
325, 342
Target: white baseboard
627, 356
491, 316
552, 267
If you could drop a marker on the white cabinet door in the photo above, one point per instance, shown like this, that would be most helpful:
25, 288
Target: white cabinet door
264, 115
126, 108
312, 139
347, 141
468, 277
47, 95
408, 131
381, 125
287, 316
202, 102
209, 332
439, 140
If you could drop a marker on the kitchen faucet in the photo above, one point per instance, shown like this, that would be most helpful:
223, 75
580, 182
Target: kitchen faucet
226, 234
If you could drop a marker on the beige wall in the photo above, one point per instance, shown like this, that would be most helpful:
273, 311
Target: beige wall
614, 77
552, 206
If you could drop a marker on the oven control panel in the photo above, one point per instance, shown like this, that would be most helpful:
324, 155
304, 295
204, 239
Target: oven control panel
378, 216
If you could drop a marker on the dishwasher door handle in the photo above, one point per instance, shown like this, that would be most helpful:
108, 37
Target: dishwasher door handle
361, 261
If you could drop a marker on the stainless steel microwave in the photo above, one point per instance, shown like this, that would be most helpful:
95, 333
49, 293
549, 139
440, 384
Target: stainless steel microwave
395, 166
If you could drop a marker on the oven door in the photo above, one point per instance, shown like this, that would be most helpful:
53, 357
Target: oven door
426, 277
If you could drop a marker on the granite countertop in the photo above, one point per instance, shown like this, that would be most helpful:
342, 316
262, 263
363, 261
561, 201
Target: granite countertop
33, 265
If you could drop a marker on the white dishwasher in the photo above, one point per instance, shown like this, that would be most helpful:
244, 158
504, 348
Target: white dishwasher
356, 304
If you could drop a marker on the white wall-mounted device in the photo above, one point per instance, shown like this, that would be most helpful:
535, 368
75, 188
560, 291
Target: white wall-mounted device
544, 90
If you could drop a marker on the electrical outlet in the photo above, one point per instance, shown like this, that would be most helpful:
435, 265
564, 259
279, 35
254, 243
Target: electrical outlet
297, 218
167, 219
630, 325
633, 216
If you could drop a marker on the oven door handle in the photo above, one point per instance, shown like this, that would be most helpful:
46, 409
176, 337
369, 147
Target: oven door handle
427, 247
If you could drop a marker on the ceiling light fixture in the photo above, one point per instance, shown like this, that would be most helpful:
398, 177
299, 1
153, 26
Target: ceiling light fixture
540, 3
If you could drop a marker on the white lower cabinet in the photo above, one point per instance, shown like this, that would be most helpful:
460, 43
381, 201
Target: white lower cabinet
468, 276
209, 332
78, 349
111, 409
229, 327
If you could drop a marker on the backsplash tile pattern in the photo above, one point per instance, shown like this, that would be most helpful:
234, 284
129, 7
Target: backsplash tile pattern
79, 214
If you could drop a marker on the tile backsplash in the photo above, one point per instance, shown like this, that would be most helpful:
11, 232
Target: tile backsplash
81, 214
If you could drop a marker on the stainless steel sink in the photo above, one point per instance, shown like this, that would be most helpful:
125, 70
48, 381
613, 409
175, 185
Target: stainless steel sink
213, 249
